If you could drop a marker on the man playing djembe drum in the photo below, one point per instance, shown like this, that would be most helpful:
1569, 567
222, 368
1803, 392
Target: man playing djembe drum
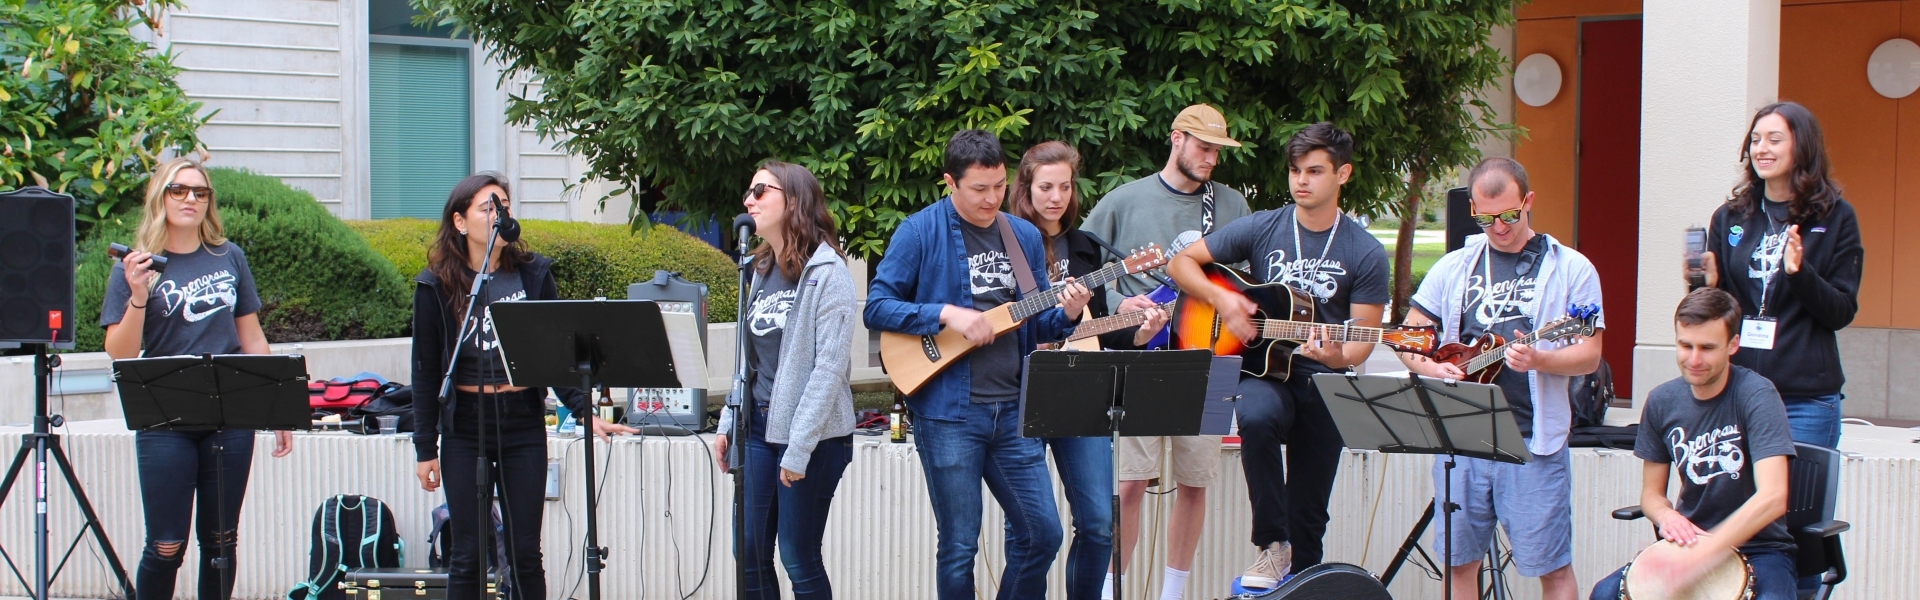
1724, 429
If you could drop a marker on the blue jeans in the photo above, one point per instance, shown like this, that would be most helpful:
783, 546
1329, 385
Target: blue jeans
1773, 575
177, 484
985, 444
793, 517
1815, 420
1086, 474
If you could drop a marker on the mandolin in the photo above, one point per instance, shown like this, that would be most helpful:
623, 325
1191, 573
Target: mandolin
1485, 357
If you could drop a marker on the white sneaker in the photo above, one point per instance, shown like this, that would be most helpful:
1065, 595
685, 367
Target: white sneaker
1273, 564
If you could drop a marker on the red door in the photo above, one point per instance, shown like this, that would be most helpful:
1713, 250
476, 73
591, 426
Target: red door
1607, 213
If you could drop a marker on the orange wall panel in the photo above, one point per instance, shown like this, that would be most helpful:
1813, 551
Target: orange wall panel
1906, 210
1553, 9
1823, 58
1548, 148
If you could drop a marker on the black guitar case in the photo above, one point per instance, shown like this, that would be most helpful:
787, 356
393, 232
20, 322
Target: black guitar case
1329, 581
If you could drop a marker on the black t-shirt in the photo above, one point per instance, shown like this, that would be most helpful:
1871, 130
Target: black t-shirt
190, 308
480, 361
767, 327
1500, 286
1764, 263
1714, 443
1057, 272
994, 368
1350, 268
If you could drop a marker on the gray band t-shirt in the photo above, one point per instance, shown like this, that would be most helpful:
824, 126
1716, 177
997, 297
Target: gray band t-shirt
192, 306
767, 328
1713, 444
480, 361
1349, 269
1498, 307
994, 368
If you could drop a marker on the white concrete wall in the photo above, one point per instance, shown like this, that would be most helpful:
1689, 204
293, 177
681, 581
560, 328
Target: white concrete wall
1706, 67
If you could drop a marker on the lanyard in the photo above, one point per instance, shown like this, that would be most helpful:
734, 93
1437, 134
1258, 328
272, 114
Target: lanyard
1294, 222
1766, 284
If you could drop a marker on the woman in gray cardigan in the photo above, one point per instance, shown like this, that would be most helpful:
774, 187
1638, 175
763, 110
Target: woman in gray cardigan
800, 328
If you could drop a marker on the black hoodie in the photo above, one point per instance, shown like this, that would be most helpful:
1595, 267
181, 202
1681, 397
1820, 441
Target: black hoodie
1809, 306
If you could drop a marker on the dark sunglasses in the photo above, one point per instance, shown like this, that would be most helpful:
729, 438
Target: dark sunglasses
760, 189
176, 191
1509, 217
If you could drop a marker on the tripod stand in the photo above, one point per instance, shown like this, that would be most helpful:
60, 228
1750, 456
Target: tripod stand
39, 445
1493, 573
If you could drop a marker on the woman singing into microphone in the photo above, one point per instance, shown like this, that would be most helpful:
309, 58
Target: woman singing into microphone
801, 329
205, 303
516, 440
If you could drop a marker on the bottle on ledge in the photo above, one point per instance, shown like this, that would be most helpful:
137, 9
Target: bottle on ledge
897, 422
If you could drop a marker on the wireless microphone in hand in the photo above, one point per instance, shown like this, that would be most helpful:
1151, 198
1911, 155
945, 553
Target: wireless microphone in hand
117, 251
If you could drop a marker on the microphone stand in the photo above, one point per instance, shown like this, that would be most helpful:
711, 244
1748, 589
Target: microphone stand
743, 416
483, 477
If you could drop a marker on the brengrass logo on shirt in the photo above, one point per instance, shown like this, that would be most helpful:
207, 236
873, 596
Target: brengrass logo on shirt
769, 312
1314, 276
1708, 455
989, 272
200, 297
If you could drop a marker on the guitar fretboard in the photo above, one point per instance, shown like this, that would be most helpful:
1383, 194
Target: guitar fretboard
1034, 304
1277, 329
1488, 358
1113, 323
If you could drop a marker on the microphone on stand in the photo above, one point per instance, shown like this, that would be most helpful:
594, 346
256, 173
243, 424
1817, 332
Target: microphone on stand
743, 228
509, 227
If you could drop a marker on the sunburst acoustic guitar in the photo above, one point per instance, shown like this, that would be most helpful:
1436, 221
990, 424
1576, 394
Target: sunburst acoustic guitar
1284, 319
913, 360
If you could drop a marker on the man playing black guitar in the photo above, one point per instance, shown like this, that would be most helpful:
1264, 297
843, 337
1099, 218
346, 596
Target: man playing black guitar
1505, 283
1312, 247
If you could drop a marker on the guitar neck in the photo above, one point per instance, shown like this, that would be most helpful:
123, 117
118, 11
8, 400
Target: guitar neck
1113, 323
1036, 303
1278, 329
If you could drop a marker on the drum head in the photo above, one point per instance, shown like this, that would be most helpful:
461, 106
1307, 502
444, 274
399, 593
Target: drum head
1729, 579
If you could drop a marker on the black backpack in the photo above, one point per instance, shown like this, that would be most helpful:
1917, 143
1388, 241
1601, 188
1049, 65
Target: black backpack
1590, 394
396, 401
349, 532
437, 541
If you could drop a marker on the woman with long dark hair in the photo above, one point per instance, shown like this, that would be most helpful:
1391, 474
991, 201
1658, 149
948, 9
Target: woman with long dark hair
1043, 194
516, 440
800, 333
1792, 258
205, 303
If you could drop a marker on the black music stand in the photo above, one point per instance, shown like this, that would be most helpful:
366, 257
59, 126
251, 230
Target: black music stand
1070, 393
1411, 414
585, 343
215, 391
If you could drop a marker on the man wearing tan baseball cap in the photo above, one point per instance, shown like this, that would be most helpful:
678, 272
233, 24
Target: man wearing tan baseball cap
1173, 207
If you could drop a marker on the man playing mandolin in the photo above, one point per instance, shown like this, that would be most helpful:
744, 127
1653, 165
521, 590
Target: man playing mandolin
1724, 429
1328, 257
1506, 282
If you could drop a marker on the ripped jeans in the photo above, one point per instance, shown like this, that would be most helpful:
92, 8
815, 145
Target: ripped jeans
177, 485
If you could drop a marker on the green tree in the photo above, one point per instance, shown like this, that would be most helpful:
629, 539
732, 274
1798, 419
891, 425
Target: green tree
684, 96
86, 107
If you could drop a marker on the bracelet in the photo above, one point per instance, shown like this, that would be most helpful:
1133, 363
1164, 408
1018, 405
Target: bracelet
139, 306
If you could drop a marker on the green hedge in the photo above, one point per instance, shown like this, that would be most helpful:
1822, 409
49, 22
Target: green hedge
589, 259
316, 279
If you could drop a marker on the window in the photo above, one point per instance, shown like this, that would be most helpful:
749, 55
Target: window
420, 115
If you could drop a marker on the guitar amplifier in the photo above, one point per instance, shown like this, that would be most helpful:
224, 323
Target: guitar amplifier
404, 583
667, 411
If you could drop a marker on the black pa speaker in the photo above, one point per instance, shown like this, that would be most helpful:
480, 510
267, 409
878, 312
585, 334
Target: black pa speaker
1459, 218
36, 267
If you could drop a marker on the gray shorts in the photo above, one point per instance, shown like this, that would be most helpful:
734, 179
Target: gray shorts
1533, 502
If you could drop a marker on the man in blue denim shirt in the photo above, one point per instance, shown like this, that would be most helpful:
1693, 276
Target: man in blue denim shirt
944, 266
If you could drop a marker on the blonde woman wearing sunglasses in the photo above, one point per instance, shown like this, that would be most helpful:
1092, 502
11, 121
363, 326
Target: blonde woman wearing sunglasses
204, 303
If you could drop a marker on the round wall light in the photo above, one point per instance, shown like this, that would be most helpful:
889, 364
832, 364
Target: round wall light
1537, 80
1894, 68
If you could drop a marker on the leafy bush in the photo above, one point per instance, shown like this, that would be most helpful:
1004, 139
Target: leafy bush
85, 106
317, 280
589, 259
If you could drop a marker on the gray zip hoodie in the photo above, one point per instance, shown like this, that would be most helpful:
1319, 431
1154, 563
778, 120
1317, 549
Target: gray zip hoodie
811, 398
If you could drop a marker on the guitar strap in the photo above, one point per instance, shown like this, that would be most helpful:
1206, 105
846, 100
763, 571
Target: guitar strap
1022, 273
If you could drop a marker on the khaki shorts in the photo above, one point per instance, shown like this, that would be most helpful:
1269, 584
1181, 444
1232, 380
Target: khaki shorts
1196, 459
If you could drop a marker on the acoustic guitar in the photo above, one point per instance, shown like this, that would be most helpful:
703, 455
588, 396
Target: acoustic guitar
913, 360
1485, 357
1284, 319
1084, 336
